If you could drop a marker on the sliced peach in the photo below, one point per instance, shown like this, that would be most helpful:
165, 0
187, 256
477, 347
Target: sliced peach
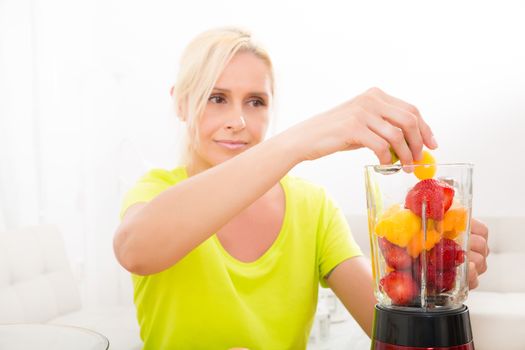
455, 222
399, 227
393, 209
417, 243
389, 269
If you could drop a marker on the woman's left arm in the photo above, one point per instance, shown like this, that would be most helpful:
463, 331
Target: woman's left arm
351, 281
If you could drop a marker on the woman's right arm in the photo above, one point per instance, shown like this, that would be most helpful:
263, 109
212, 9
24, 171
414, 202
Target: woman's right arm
156, 235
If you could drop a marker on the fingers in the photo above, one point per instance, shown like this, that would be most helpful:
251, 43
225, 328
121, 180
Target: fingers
479, 261
479, 228
473, 281
394, 136
478, 251
376, 143
479, 245
407, 125
425, 132
393, 122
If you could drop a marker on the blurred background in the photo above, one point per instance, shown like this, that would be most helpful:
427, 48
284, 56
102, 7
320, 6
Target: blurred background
85, 107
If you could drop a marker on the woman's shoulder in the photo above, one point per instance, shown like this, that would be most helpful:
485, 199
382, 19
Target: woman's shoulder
309, 198
304, 187
165, 176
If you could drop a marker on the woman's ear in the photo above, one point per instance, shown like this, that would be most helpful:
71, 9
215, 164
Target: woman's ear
181, 113
181, 116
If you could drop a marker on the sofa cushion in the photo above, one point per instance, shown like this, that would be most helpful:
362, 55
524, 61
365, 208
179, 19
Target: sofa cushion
36, 282
507, 255
497, 320
504, 273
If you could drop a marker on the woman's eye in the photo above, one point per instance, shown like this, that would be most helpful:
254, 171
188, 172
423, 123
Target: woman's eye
256, 102
216, 99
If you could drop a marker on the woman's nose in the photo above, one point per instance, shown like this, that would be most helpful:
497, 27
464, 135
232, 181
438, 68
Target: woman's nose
236, 123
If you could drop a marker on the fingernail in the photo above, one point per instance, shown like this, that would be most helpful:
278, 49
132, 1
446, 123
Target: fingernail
433, 142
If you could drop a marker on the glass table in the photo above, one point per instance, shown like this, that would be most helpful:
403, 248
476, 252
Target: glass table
24, 336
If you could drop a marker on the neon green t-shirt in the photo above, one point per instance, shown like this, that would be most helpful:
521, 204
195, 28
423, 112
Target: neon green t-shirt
210, 300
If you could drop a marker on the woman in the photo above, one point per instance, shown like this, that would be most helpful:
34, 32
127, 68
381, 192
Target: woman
228, 250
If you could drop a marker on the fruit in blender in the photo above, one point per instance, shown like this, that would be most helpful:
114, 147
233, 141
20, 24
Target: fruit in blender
440, 281
403, 241
436, 195
418, 242
398, 226
454, 222
446, 255
399, 286
395, 256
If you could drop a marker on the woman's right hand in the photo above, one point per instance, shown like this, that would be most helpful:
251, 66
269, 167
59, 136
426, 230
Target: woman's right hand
374, 120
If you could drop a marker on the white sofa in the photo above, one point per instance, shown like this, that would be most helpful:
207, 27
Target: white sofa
38, 286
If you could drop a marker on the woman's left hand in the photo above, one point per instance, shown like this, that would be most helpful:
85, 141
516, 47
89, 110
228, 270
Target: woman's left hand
478, 252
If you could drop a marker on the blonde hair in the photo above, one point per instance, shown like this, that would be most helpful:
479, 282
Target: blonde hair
201, 64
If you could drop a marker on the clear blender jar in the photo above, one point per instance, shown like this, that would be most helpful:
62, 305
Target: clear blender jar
419, 235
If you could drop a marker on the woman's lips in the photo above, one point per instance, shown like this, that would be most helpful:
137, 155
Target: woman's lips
231, 144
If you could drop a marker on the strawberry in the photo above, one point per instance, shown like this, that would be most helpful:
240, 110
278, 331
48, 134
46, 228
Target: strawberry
460, 257
437, 280
446, 255
440, 281
436, 195
400, 287
395, 256
416, 270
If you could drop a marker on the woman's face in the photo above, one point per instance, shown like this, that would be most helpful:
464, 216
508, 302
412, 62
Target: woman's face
237, 112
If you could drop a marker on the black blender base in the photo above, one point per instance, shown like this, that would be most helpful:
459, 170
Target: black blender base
412, 330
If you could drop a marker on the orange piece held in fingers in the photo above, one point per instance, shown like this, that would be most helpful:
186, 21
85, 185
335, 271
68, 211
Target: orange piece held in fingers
425, 168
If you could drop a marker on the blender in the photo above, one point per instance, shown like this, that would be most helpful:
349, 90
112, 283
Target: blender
419, 230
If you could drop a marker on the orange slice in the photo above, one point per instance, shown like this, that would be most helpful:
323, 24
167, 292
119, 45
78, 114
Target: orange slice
455, 222
398, 227
426, 168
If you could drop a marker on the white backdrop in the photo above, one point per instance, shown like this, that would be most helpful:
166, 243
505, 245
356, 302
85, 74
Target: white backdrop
85, 108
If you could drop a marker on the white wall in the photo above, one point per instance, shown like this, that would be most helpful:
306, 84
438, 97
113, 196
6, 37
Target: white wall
99, 112
461, 63
18, 135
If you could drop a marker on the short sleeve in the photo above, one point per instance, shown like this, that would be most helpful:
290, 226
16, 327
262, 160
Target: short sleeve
148, 187
336, 243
